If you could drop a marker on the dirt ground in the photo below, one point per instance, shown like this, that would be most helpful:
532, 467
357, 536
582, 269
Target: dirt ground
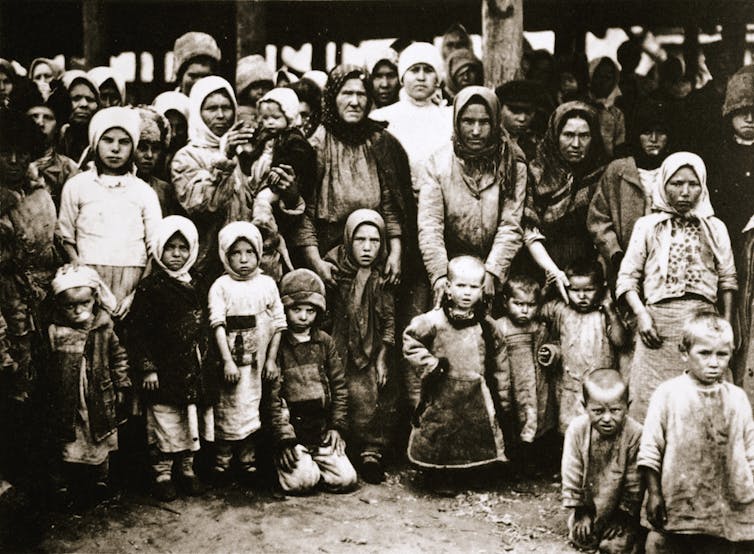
397, 516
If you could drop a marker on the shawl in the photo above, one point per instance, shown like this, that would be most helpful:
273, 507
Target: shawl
198, 132
169, 226
362, 286
351, 133
229, 235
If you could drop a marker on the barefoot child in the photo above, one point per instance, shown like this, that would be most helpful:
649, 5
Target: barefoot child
697, 450
465, 378
313, 386
247, 317
601, 483
167, 331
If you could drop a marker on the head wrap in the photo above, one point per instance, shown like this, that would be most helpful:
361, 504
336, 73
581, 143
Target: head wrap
457, 61
198, 132
57, 71
192, 45
172, 100
420, 52
302, 286
7, 68
75, 76
350, 133
288, 102
317, 77
69, 277
168, 227
609, 100
739, 93
123, 118
487, 98
252, 69
100, 75
230, 234
387, 55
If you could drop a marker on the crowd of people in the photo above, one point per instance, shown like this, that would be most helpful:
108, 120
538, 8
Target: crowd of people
281, 281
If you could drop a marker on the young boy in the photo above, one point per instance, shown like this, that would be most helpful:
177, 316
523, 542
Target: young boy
600, 480
697, 450
463, 363
312, 385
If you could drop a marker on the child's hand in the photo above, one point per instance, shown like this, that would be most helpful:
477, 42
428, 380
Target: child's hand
270, 370
232, 375
333, 439
646, 327
150, 381
382, 368
120, 398
618, 525
546, 355
123, 306
288, 458
583, 527
656, 514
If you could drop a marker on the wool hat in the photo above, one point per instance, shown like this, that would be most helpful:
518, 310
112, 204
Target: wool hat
739, 93
287, 100
420, 52
302, 286
252, 69
192, 45
519, 93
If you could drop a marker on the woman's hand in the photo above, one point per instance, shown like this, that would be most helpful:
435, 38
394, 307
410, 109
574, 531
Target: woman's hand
561, 282
382, 367
283, 177
647, 331
656, 513
326, 272
393, 268
438, 290
150, 381
238, 135
489, 285
123, 306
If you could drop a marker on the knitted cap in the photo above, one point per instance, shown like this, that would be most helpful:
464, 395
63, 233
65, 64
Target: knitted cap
302, 286
739, 93
420, 52
252, 69
192, 45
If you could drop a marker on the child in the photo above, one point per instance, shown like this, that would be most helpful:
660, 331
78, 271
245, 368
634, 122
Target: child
88, 377
312, 385
697, 450
167, 330
464, 368
525, 335
364, 332
600, 478
589, 331
679, 258
247, 317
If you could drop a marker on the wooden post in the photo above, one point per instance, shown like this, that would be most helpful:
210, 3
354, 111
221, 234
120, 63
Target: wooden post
94, 18
502, 35
251, 28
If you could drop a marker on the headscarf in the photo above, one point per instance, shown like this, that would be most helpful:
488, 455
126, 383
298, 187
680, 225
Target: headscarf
168, 227
420, 52
288, 102
198, 132
69, 277
458, 60
317, 77
75, 76
7, 68
229, 235
57, 71
100, 75
350, 133
467, 96
172, 100
609, 100
123, 118
388, 56
361, 322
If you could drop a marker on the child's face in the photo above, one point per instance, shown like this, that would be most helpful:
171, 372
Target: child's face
583, 293
76, 305
465, 291
13, 166
683, 190
708, 358
271, 117
366, 244
44, 117
743, 123
176, 252
146, 156
242, 258
114, 149
300, 317
521, 306
607, 411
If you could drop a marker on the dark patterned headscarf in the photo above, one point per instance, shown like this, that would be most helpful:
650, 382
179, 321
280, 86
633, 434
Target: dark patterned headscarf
350, 133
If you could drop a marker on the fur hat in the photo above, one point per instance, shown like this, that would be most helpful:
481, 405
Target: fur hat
252, 69
192, 45
154, 126
739, 93
302, 286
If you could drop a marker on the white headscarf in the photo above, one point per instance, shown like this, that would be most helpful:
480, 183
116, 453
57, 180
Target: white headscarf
69, 277
420, 52
288, 102
198, 132
127, 119
229, 235
168, 227
172, 100
104, 73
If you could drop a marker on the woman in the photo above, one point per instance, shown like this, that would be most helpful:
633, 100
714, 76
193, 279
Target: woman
85, 102
563, 175
464, 69
604, 75
359, 165
111, 85
205, 173
7, 80
472, 194
175, 107
43, 71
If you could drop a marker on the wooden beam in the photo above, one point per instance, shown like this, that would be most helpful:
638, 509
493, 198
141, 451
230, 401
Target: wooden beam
94, 19
251, 28
502, 35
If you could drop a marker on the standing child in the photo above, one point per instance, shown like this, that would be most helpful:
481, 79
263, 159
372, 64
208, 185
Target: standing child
465, 381
364, 332
600, 479
247, 317
679, 259
167, 330
590, 331
312, 385
87, 379
697, 451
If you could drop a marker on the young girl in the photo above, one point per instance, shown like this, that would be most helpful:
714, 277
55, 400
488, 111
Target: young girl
589, 330
166, 324
247, 317
364, 332
87, 377
680, 260
108, 215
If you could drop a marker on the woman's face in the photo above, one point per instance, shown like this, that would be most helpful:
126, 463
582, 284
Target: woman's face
109, 94
475, 127
574, 140
6, 85
84, 103
178, 128
683, 190
351, 101
468, 76
44, 117
114, 149
42, 73
653, 142
217, 113
420, 81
